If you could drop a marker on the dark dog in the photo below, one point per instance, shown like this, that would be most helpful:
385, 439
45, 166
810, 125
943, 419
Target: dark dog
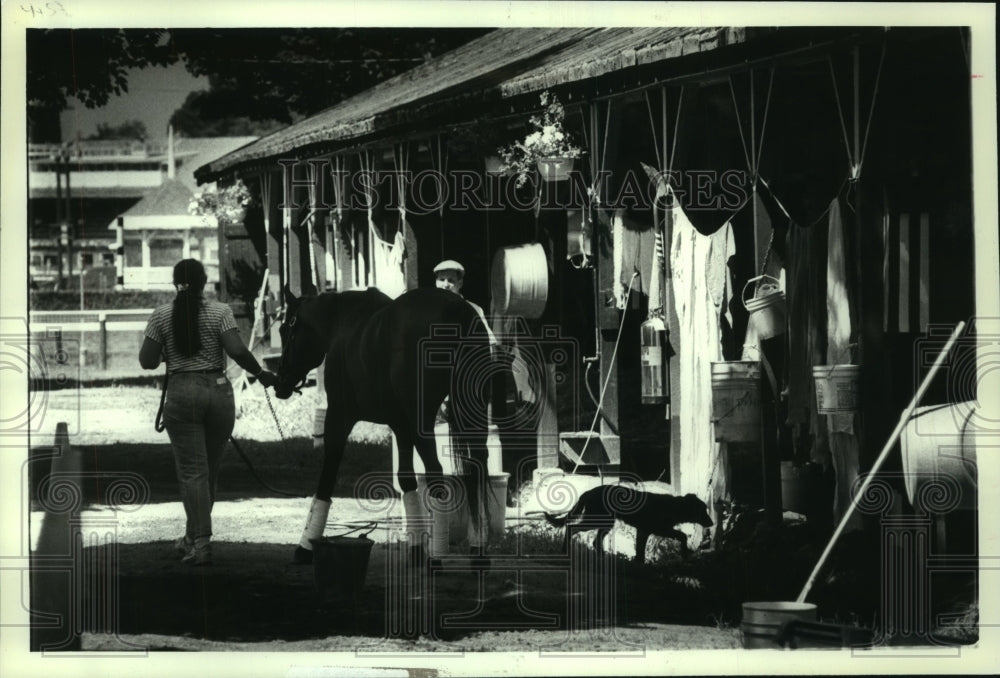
648, 512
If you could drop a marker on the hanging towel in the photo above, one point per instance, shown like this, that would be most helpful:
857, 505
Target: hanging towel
840, 427
838, 309
387, 264
699, 340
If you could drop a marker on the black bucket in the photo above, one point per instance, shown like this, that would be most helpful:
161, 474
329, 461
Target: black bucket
341, 566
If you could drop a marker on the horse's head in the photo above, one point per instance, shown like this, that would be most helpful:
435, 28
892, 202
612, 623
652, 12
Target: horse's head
303, 345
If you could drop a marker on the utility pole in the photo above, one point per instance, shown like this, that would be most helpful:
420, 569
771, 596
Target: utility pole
57, 159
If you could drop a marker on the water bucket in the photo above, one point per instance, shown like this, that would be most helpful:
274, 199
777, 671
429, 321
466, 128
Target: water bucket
800, 487
340, 565
939, 444
448, 522
837, 388
762, 621
767, 308
736, 401
458, 519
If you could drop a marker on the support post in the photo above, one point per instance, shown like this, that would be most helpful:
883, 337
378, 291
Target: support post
102, 318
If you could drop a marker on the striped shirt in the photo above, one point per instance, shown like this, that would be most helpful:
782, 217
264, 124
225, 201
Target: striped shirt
213, 319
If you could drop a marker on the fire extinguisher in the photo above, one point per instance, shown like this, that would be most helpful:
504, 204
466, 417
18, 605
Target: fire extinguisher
654, 358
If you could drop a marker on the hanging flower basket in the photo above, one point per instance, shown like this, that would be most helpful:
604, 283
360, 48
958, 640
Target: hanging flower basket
555, 169
547, 148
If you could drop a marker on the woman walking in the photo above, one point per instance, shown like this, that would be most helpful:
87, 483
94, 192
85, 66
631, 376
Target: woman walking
191, 334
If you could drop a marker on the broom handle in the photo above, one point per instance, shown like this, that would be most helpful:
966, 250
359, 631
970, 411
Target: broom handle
903, 419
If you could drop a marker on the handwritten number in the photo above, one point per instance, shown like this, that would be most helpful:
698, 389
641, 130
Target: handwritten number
54, 8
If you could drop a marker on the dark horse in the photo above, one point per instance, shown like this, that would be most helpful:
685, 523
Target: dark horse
387, 362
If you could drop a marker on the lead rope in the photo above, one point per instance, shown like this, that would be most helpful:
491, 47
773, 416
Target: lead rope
158, 423
277, 423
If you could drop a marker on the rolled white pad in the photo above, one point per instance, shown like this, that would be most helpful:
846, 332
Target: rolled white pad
319, 510
417, 518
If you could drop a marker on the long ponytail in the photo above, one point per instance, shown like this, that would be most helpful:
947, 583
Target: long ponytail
189, 279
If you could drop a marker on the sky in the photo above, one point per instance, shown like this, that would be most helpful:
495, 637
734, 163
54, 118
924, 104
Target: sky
153, 95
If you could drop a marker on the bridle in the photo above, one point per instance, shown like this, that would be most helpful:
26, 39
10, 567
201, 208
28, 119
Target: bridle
286, 342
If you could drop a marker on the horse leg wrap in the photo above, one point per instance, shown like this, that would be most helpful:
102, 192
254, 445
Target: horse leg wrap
440, 532
417, 517
315, 522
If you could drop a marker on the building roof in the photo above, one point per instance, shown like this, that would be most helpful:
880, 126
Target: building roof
502, 64
171, 198
196, 151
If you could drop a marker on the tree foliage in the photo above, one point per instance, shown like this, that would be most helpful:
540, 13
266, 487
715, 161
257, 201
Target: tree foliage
91, 64
283, 74
192, 120
269, 75
130, 129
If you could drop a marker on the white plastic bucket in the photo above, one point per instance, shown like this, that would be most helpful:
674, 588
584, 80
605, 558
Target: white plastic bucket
520, 281
458, 519
837, 388
447, 526
939, 444
736, 401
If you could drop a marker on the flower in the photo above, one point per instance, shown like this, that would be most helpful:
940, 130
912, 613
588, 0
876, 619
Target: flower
227, 205
548, 140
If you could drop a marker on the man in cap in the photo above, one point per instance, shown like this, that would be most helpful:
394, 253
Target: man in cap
450, 275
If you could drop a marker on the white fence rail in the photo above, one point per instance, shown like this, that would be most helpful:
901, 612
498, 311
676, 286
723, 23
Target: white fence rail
126, 319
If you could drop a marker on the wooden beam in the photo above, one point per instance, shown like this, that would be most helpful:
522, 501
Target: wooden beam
275, 260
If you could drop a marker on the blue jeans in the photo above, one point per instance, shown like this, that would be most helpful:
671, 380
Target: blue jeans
199, 415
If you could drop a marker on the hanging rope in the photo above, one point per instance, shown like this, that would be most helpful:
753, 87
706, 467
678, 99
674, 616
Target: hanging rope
763, 127
367, 161
871, 109
401, 162
652, 127
840, 115
739, 123
314, 176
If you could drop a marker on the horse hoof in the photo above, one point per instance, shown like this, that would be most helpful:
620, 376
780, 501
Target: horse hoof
302, 556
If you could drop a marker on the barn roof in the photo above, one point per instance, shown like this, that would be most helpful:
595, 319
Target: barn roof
502, 64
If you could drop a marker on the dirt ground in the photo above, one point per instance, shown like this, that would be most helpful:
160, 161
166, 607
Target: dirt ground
535, 595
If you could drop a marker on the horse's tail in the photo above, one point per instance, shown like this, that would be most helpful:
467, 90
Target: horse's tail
470, 397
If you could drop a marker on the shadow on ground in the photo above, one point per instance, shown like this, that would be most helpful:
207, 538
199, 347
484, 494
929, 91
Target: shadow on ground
290, 467
253, 593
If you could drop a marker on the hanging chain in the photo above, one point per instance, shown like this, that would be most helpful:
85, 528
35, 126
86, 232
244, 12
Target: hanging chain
277, 423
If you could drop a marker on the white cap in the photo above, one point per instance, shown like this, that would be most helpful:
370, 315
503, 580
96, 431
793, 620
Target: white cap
449, 265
